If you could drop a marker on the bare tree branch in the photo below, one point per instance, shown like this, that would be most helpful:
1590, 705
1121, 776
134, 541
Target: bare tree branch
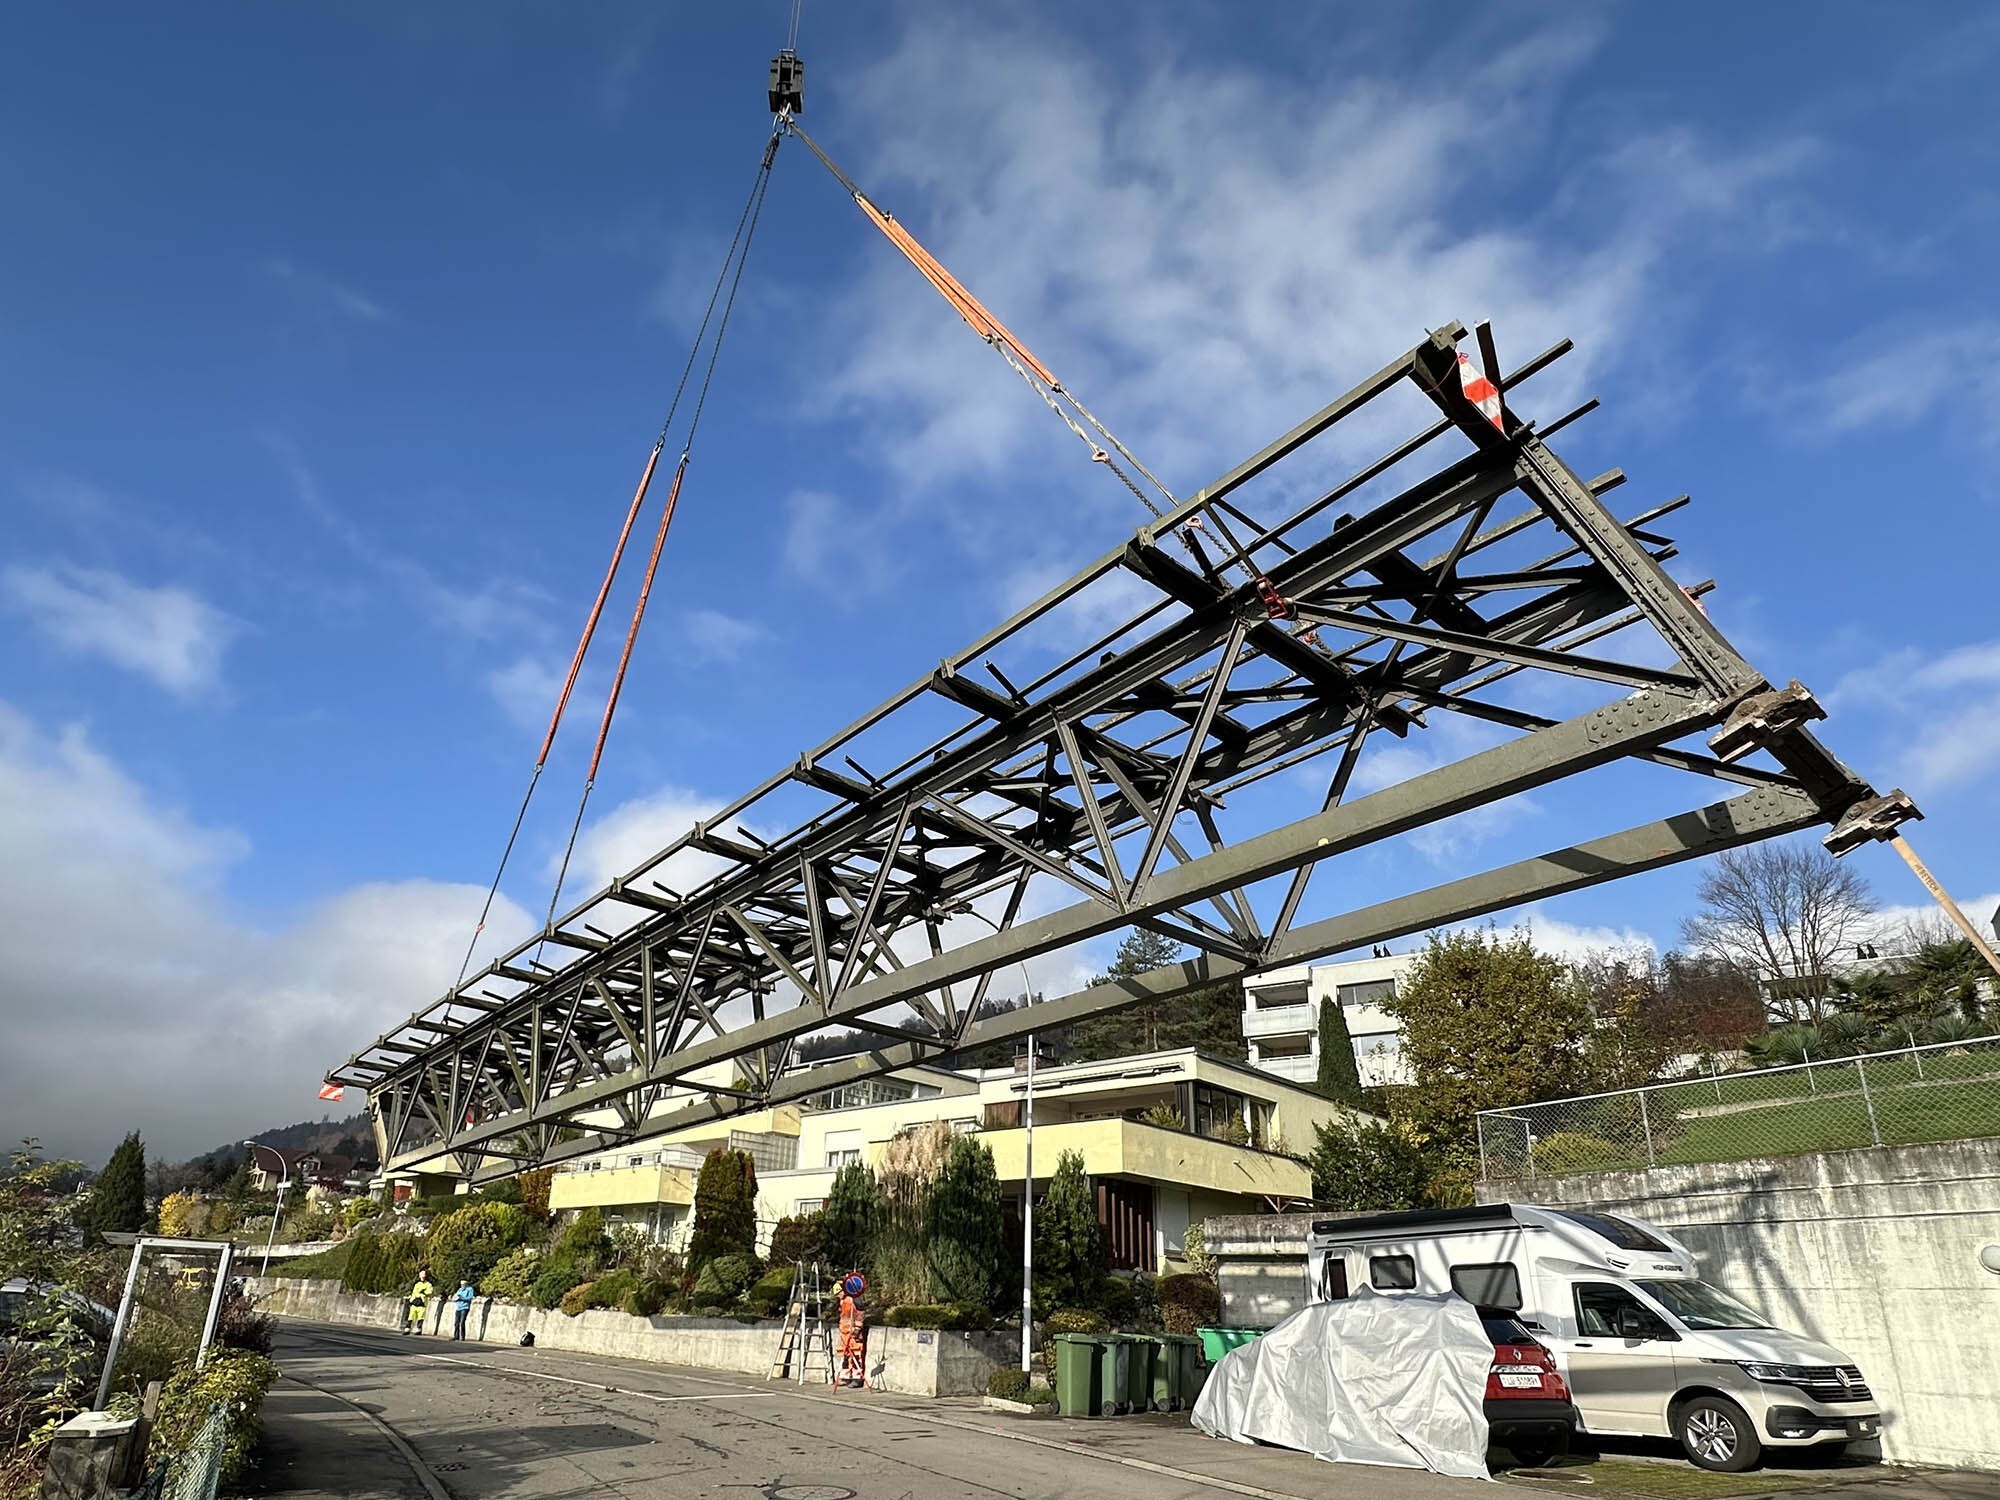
1782, 912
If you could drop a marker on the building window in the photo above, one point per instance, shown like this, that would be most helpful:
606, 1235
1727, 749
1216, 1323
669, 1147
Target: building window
1278, 996
635, 1161
1368, 992
1392, 1273
967, 1126
1333, 1279
1494, 1285
806, 1206
1219, 1115
843, 1147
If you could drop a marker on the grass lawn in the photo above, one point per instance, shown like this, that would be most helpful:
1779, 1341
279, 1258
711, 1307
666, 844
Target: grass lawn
1955, 1097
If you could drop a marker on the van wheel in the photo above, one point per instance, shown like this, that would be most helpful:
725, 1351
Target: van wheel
1717, 1434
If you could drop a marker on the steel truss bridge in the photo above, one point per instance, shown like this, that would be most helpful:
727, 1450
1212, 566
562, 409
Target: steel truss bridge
1017, 808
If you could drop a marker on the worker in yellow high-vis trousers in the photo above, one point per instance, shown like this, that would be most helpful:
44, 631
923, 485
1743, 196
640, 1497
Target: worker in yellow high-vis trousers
420, 1301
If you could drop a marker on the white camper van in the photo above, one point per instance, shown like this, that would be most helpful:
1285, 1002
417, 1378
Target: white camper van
1646, 1345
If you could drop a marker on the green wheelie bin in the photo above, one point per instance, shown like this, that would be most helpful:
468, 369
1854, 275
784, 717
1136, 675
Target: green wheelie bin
1166, 1373
1192, 1372
1117, 1372
1140, 1351
1080, 1374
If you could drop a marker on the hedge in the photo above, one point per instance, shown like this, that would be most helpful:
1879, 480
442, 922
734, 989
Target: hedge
953, 1316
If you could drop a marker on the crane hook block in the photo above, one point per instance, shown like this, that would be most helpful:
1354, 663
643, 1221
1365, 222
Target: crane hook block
788, 83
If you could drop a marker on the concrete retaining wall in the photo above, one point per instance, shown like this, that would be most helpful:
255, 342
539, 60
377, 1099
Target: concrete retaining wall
909, 1361
1876, 1252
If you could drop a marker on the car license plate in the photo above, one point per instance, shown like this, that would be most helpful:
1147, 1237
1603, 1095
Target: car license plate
1521, 1382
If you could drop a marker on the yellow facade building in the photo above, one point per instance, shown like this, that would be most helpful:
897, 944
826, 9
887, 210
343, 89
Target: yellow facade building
1168, 1138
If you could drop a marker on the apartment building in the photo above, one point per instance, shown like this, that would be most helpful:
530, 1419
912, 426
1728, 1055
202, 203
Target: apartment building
1281, 1017
1168, 1138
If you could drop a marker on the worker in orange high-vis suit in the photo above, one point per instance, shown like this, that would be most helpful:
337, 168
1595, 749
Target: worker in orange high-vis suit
853, 1331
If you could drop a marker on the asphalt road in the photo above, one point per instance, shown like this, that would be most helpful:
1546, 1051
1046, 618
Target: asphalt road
483, 1420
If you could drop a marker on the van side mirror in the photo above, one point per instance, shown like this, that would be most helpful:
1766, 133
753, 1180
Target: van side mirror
1637, 1323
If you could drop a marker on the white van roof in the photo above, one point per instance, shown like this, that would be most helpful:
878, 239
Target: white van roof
1591, 1236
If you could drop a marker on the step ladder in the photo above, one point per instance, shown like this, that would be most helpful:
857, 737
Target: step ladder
805, 1347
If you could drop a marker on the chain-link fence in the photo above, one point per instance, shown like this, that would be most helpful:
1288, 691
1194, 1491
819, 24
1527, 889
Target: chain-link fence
1947, 1091
195, 1473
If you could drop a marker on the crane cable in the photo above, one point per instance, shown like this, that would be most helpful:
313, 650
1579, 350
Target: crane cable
746, 226
747, 233
1059, 398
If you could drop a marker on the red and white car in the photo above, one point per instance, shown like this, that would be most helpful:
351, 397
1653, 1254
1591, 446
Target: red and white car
1528, 1408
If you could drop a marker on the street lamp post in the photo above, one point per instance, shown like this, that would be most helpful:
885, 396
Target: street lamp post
1028, 1158
284, 1181
1028, 1216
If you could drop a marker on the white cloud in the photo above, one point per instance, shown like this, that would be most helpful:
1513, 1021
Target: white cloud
1207, 268
708, 635
526, 690
1954, 698
322, 293
1891, 925
1566, 939
636, 830
167, 634
136, 996
1896, 377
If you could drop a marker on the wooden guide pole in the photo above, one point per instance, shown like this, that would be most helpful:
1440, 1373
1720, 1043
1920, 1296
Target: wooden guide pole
1944, 900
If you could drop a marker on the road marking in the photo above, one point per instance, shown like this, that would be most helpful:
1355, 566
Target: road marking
1059, 1445
425, 1477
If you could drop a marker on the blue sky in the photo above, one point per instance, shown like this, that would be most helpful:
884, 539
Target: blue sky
332, 342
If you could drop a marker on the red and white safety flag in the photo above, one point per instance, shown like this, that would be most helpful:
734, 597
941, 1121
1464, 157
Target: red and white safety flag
1480, 391
332, 1091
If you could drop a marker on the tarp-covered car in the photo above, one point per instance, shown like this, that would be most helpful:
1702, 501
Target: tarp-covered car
1370, 1379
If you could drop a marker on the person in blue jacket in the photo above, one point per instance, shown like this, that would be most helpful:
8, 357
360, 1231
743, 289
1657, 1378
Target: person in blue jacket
461, 1306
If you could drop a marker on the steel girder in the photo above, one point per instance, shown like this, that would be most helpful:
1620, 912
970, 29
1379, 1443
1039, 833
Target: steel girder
1092, 795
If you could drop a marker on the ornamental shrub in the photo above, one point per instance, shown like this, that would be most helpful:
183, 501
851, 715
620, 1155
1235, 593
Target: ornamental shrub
725, 1207
583, 1239
535, 1193
966, 1214
612, 1288
576, 1299
513, 1275
470, 1241
1070, 1258
847, 1224
772, 1290
1008, 1385
558, 1272
722, 1281
799, 1240
648, 1299
1188, 1302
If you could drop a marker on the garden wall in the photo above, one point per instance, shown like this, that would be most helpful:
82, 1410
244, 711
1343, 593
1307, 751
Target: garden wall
1875, 1251
908, 1361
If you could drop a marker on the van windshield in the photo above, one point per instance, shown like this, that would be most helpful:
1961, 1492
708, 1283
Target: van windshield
1701, 1306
